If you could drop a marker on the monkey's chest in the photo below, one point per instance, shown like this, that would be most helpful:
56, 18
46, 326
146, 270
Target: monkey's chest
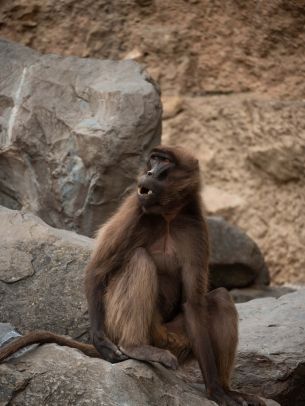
165, 256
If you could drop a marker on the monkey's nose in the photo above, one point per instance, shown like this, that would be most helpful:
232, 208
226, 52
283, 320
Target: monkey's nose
149, 173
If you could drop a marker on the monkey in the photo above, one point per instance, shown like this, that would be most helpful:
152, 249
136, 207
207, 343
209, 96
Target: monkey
146, 282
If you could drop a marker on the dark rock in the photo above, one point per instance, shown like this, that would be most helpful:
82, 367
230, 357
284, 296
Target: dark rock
73, 133
236, 261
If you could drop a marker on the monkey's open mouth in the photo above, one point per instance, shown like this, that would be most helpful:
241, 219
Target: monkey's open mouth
144, 191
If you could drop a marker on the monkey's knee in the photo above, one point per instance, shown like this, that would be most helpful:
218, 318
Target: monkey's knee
220, 301
220, 294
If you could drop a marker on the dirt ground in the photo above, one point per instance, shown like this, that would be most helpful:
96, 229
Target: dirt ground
232, 79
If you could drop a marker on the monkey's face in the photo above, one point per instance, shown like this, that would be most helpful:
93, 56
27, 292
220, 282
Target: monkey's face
171, 177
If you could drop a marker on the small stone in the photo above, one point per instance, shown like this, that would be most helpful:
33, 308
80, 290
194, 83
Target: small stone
171, 106
220, 202
134, 54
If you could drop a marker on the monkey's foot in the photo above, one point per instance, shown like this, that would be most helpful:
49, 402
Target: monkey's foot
107, 350
151, 354
247, 399
235, 398
179, 345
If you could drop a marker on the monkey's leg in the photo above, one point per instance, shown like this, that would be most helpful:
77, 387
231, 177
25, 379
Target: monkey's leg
223, 327
130, 303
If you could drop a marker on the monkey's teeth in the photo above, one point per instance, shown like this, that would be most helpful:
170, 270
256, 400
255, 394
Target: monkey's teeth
144, 191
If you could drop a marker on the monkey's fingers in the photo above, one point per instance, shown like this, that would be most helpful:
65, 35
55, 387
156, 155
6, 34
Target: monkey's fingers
109, 351
249, 399
227, 398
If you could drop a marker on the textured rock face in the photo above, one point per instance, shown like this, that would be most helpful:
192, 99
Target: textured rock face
271, 356
41, 275
193, 47
73, 134
53, 375
236, 260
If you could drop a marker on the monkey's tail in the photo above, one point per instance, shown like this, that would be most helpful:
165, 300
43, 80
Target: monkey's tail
42, 337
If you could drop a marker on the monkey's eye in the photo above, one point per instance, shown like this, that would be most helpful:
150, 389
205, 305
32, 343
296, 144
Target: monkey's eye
160, 158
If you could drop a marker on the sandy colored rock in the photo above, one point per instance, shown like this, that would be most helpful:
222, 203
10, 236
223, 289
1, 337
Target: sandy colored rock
283, 162
171, 106
220, 202
234, 126
197, 47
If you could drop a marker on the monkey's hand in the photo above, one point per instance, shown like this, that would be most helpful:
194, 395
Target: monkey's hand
108, 351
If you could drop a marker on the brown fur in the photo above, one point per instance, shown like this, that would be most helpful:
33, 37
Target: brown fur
135, 294
147, 280
42, 337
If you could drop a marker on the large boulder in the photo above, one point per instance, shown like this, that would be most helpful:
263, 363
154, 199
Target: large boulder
41, 275
73, 133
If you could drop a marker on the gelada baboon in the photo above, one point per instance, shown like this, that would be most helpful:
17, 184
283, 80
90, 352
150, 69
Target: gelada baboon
147, 282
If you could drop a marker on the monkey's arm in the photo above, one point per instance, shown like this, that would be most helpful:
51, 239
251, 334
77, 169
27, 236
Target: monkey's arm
113, 242
95, 291
195, 284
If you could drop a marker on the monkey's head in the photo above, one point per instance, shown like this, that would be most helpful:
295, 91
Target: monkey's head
170, 180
